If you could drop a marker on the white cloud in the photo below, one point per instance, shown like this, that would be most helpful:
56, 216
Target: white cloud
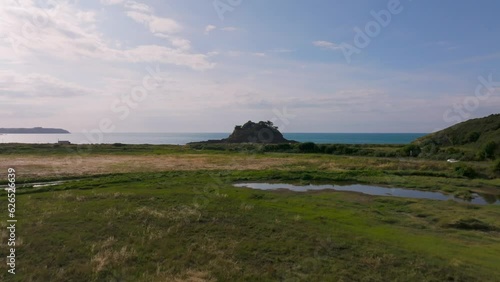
327, 45
111, 2
71, 55
242, 54
181, 43
143, 14
209, 28
159, 24
155, 53
154, 23
35, 85
133, 5
65, 36
177, 42
86, 16
259, 54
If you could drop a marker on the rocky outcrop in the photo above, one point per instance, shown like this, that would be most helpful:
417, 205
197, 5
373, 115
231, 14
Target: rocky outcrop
251, 132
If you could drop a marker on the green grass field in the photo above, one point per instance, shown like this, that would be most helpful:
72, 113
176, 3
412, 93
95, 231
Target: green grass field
193, 225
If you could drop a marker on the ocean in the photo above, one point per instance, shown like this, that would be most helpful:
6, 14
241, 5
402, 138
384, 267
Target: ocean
183, 138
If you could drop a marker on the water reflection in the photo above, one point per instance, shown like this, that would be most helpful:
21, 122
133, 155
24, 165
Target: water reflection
480, 199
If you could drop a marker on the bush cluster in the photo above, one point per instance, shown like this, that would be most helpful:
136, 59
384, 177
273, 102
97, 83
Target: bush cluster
411, 150
496, 166
465, 171
428, 151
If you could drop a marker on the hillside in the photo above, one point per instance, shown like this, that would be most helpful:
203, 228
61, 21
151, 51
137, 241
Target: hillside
34, 130
479, 136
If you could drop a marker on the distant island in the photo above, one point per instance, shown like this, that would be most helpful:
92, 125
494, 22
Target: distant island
34, 130
253, 132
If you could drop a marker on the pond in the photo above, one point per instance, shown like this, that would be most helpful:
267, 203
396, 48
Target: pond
479, 199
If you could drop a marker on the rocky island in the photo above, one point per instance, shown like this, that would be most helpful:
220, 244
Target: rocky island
251, 132
34, 130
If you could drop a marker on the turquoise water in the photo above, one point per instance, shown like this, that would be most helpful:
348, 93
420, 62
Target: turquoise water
183, 138
355, 138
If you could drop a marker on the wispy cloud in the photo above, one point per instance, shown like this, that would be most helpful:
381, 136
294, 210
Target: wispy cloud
71, 37
209, 28
442, 44
154, 23
97, 51
111, 2
35, 85
141, 7
327, 45
236, 53
477, 59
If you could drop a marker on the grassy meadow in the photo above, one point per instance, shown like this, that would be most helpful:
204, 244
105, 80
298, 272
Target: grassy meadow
170, 213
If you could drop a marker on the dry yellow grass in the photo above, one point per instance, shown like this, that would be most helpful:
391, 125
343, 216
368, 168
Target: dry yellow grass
34, 166
42, 166
188, 276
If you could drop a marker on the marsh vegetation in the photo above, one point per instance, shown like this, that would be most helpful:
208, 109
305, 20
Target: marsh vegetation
171, 213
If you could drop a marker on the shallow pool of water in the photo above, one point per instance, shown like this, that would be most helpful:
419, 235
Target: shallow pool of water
479, 199
34, 185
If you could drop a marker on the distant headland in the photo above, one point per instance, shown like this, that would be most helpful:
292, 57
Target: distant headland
34, 130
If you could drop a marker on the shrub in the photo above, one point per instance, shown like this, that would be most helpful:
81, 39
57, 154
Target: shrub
278, 147
338, 149
308, 147
481, 156
349, 150
472, 137
306, 176
365, 152
391, 154
284, 147
496, 166
342, 149
330, 149
489, 149
322, 148
471, 224
465, 171
468, 156
257, 196
429, 149
411, 150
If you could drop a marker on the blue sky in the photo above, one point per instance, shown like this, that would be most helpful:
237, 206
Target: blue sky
204, 66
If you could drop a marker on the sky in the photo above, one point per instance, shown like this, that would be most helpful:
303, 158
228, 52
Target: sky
208, 65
